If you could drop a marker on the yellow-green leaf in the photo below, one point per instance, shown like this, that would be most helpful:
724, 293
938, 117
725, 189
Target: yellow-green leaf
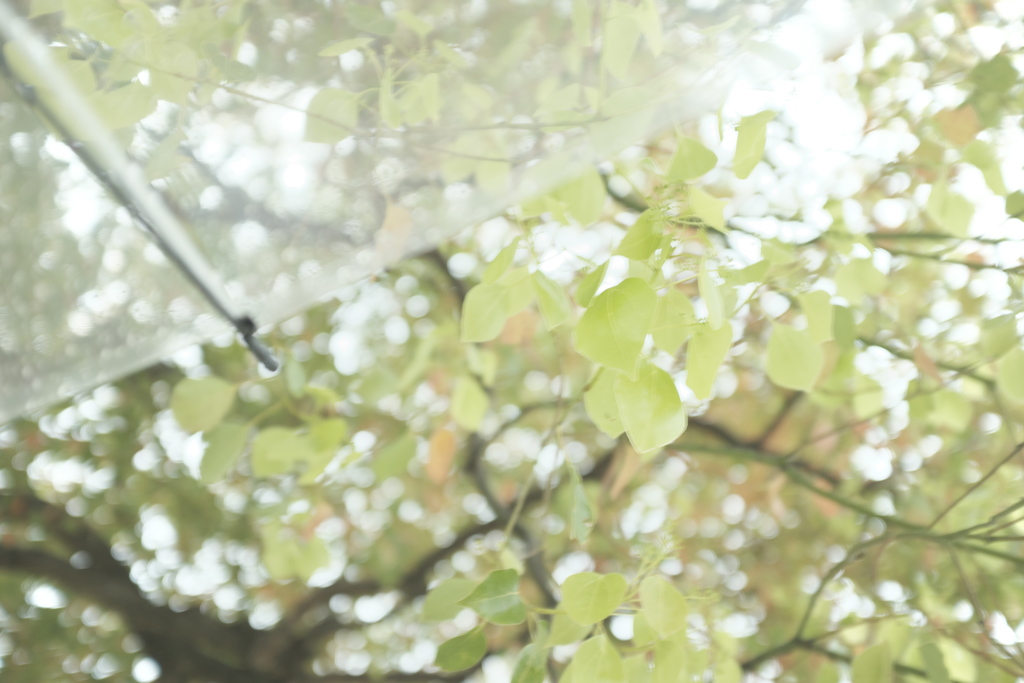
565, 631
752, 134
691, 160
643, 237
277, 450
332, 115
711, 293
1010, 378
462, 652
224, 443
483, 313
589, 285
583, 196
441, 602
497, 599
709, 209
612, 331
589, 597
817, 308
794, 359
200, 404
664, 607
650, 409
599, 401
951, 211
343, 46
674, 321
621, 34
597, 661
551, 299
469, 403
706, 351
873, 665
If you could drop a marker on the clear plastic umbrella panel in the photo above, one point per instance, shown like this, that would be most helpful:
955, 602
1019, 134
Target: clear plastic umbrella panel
170, 171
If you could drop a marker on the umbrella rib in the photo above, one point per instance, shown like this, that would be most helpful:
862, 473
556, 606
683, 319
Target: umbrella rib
111, 165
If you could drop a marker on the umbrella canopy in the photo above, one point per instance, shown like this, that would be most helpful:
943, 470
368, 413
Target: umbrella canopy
275, 151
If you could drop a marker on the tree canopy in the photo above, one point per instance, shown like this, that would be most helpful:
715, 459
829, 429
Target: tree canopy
745, 400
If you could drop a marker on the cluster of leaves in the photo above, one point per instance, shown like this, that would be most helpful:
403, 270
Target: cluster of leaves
688, 433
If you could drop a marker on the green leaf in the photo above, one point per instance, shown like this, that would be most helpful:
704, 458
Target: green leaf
983, 156
343, 46
370, 19
873, 665
995, 76
711, 293
707, 208
636, 669
934, 664
518, 290
531, 665
650, 408
277, 450
621, 34
664, 606
497, 599
565, 631
589, 285
612, 331
38, 8
469, 403
393, 459
462, 652
691, 160
441, 602
727, 670
857, 279
332, 115
597, 661
707, 349
648, 18
643, 634
752, 133
643, 237
1015, 204
483, 313
582, 516
950, 211
552, 300
327, 434
583, 197
125, 106
589, 597
998, 335
390, 113
224, 443
417, 25
581, 16
200, 404
670, 663
674, 321
174, 72
868, 397
817, 307
794, 359
231, 69
950, 410
496, 268
1010, 378
599, 401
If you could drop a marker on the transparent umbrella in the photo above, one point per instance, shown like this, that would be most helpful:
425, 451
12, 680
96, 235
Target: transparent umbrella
275, 151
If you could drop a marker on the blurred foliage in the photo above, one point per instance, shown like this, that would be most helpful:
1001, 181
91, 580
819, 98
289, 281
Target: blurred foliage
662, 423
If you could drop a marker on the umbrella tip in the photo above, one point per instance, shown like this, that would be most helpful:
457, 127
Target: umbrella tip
263, 354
